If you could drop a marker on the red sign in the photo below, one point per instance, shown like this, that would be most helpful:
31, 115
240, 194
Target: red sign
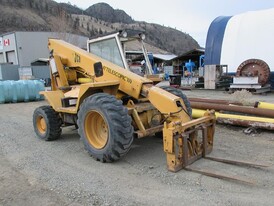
6, 42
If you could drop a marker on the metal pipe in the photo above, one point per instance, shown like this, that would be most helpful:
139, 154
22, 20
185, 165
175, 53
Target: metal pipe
217, 101
240, 109
247, 121
264, 105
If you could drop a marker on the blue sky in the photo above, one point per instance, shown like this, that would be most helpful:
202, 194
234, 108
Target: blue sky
190, 16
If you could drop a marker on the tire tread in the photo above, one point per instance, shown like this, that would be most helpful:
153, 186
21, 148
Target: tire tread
117, 114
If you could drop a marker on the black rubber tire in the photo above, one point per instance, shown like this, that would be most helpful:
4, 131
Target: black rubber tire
53, 123
179, 93
120, 130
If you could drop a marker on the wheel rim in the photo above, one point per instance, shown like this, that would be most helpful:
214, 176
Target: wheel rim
41, 124
96, 129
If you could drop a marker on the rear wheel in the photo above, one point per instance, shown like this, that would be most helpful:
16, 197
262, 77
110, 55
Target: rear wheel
105, 127
47, 123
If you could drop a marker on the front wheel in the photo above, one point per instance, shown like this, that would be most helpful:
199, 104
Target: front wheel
105, 127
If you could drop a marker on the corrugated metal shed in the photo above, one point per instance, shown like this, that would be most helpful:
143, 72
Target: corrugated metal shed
9, 72
193, 55
23, 47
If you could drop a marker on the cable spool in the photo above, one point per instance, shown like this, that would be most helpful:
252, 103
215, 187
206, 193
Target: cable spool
254, 68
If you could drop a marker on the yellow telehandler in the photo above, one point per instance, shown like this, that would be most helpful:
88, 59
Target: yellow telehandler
110, 105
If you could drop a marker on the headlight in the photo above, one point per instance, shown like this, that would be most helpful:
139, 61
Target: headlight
142, 36
123, 34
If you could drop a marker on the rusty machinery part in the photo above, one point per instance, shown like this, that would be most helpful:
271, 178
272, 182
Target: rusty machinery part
105, 127
47, 123
235, 108
215, 101
180, 94
239, 120
233, 177
253, 68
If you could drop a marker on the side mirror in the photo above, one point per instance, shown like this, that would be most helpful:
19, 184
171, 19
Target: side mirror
98, 69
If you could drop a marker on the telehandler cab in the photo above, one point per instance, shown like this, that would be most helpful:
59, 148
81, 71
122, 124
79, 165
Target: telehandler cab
123, 48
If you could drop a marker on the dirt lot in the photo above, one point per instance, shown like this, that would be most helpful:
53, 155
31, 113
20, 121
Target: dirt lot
34, 172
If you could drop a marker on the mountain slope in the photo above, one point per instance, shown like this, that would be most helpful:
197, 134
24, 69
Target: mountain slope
34, 15
99, 19
106, 13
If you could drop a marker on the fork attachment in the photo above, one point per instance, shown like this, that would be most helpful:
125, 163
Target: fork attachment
184, 143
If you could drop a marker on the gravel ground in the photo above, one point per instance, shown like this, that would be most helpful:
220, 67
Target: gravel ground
34, 172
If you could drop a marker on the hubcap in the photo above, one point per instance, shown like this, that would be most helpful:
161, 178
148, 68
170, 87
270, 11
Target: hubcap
41, 124
96, 129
